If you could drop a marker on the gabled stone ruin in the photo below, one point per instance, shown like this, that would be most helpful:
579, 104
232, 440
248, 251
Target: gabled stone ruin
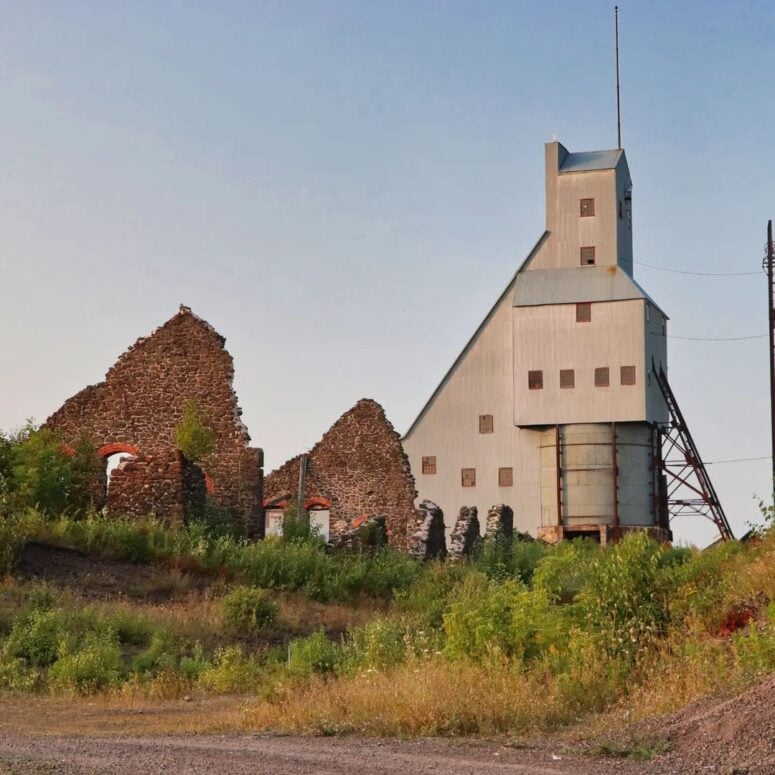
136, 410
356, 471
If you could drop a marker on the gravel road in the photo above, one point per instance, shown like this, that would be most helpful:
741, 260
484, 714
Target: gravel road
237, 754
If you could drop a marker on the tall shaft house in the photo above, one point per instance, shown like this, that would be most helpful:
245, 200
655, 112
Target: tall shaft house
553, 407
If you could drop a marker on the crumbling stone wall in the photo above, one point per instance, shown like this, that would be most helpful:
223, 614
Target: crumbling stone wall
360, 467
500, 521
465, 534
139, 405
164, 484
430, 538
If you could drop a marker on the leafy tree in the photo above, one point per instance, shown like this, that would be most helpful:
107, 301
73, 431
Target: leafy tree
42, 471
193, 437
88, 474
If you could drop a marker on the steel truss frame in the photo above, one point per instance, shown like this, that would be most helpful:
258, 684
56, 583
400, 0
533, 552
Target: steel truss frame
689, 491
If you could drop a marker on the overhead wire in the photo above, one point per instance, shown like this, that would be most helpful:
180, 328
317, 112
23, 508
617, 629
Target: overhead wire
696, 274
737, 460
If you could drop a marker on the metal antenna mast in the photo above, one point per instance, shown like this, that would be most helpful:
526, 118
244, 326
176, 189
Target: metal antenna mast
618, 101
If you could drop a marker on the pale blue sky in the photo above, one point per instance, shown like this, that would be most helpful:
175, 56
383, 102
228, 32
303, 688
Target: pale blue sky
343, 188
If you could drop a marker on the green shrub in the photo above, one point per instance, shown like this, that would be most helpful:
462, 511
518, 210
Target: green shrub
428, 598
564, 571
193, 437
42, 472
92, 665
478, 623
623, 600
35, 638
378, 644
230, 671
15, 531
248, 609
315, 654
379, 574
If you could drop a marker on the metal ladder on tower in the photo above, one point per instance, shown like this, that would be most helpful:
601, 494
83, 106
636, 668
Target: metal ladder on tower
690, 491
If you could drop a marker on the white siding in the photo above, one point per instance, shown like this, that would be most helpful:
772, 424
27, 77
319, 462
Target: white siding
549, 339
482, 383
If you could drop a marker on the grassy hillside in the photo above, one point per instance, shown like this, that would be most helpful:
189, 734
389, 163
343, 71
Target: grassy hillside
525, 637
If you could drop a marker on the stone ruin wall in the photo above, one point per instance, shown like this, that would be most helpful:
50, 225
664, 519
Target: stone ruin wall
360, 466
138, 407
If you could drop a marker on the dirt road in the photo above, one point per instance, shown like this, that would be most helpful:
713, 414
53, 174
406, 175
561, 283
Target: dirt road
237, 754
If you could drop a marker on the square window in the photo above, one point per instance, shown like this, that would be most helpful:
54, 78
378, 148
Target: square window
628, 375
505, 477
485, 423
429, 464
587, 208
535, 380
584, 312
567, 378
468, 477
602, 378
588, 256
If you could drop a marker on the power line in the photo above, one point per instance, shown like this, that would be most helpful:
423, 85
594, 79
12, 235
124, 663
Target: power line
716, 339
696, 274
738, 460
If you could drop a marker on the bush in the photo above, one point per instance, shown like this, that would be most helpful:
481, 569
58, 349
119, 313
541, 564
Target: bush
193, 437
247, 609
92, 665
624, 600
230, 671
15, 531
315, 654
35, 638
378, 644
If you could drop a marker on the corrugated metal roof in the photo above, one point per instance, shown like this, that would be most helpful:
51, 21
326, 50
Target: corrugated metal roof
537, 287
591, 160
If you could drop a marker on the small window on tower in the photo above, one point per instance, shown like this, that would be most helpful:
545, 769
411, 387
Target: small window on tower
429, 464
602, 378
588, 256
664, 324
628, 375
485, 423
535, 380
584, 312
468, 477
505, 477
567, 378
587, 208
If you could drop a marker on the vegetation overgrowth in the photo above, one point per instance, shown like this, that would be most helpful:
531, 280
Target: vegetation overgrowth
521, 637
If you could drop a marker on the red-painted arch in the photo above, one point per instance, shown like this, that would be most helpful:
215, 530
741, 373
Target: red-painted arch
112, 449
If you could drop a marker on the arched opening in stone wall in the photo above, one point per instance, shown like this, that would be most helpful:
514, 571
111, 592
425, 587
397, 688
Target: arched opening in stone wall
112, 455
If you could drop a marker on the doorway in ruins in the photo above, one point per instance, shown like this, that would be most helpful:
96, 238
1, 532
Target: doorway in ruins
112, 455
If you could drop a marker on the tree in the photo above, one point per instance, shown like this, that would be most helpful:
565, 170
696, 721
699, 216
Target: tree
192, 436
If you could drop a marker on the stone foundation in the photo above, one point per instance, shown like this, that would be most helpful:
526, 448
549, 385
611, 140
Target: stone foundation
604, 534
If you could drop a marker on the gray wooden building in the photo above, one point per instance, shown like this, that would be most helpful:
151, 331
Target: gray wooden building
552, 407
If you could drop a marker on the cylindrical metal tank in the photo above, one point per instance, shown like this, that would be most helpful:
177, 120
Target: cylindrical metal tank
598, 474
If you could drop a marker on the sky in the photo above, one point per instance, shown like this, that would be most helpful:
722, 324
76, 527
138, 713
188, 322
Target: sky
344, 187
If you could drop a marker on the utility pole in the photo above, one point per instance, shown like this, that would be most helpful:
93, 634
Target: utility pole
770, 257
